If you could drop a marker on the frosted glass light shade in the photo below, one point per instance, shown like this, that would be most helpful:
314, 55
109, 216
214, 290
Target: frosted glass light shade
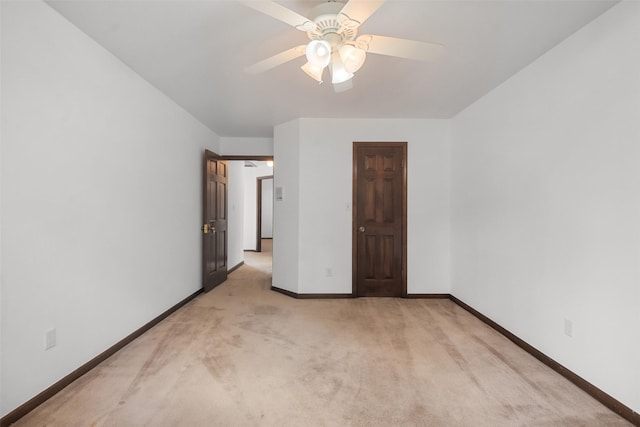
338, 72
319, 53
313, 71
342, 87
352, 58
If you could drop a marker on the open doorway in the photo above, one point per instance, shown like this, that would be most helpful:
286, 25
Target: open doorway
244, 245
264, 212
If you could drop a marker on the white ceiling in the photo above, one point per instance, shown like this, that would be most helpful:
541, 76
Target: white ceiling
195, 52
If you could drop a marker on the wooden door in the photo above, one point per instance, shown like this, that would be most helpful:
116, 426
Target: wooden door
379, 219
214, 242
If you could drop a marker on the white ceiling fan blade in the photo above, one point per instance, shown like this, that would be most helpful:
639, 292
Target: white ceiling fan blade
360, 10
402, 48
275, 60
281, 13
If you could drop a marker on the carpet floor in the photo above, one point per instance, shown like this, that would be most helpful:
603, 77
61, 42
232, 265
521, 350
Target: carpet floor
243, 355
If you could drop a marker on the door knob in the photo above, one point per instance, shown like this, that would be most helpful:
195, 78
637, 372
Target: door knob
361, 229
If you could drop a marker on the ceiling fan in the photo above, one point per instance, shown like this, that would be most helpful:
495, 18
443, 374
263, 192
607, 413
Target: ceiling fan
332, 28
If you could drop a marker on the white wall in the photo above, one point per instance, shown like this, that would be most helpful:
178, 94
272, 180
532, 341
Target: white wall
251, 175
546, 202
286, 153
246, 146
101, 199
324, 177
266, 226
235, 223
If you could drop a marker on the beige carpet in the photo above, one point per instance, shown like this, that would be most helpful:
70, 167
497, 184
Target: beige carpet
243, 355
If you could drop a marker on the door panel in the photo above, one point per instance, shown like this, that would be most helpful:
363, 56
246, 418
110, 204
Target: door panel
379, 214
214, 247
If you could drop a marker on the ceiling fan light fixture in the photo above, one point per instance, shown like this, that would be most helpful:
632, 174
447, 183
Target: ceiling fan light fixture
313, 71
319, 53
352, 57
332, 28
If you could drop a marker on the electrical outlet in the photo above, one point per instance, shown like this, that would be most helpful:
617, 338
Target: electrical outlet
568, 327
50, 339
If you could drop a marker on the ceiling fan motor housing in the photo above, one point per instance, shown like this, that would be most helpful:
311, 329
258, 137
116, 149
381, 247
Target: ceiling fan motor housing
332, 26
